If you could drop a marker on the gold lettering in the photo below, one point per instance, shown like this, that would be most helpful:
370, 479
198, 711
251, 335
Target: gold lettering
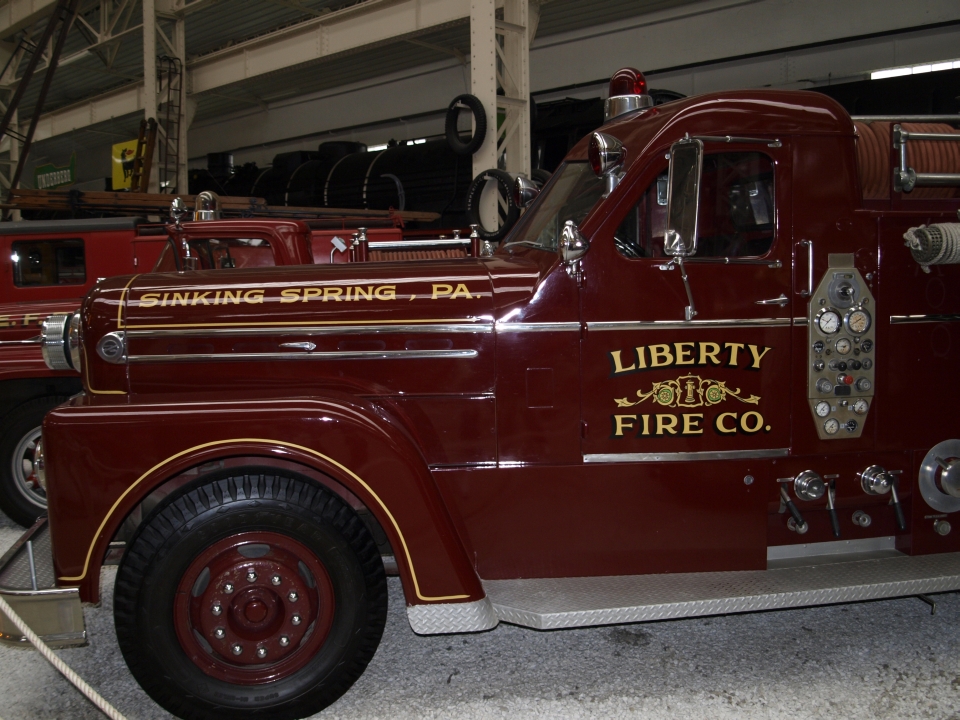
311, 292
149, 300
216, 298
359, 292
744, 423
289, 295
721, 427
185, 299
332, 292
164, 302
254, 297
618, 365
646, 425
641, 357
660, 356
714, 350
5, 321
621, 423
229, 296
461, 290
757, 357
691, 424
349, 290
666, 424
29, 318
200, 297
441, 289
684, 355
734, 348
386, 292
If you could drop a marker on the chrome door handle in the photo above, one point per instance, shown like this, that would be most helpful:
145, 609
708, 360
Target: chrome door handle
809, 245
308, 346
781, 301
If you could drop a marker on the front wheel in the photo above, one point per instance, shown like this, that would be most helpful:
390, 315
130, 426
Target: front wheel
21, 497
253, 595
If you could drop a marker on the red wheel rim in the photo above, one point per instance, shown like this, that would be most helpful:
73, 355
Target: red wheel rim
253, 608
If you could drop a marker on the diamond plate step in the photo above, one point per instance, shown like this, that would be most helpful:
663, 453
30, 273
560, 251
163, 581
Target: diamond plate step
550, 603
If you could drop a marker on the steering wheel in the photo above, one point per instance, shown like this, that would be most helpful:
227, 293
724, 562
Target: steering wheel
626, 249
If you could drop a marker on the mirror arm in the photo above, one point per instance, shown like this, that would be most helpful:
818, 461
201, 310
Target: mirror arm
689, 312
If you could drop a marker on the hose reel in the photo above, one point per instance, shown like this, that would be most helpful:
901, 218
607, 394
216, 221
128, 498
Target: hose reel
934, 244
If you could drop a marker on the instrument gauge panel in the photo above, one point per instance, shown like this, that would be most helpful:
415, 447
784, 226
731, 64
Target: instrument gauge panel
858, 321
822, 409
844, 346
828, 321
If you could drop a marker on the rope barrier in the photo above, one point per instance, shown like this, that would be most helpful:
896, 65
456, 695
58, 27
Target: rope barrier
92, 695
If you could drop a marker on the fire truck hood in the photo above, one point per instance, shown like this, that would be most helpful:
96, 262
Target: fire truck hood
400, 292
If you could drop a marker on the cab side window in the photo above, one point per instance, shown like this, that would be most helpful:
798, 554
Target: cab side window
48, 262
737, 212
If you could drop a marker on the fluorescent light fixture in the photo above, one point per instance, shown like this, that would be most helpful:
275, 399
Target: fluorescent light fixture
376, 148
915, 69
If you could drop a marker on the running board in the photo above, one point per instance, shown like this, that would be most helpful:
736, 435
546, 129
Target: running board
551, 603
28, 584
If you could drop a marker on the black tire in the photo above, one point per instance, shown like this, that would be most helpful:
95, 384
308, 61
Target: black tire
21, 499
541, 177
180, 534
509, 212
473, 104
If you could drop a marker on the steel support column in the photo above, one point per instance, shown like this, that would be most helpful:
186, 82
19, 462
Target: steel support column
150, 75
483, 84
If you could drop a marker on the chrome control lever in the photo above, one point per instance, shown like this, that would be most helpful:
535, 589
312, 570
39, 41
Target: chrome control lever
799, 524
832, 503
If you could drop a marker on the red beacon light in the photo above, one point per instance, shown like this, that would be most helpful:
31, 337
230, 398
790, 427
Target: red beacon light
628, 92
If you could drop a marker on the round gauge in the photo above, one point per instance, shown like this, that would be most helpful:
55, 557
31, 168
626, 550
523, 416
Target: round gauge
823, 408
828, 321
860, 407
866, 345
844, 346
867, 364
818, 346
858, 321
831, 426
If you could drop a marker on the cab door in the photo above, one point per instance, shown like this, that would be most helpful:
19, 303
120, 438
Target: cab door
657, 387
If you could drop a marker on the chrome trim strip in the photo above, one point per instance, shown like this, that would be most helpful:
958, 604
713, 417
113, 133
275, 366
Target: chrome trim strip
319, 330
681, 324
36, 340
333, 355
538, 327
686, 456
831, 547
800, 321
904, 319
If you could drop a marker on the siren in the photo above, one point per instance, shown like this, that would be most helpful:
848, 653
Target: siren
628, 92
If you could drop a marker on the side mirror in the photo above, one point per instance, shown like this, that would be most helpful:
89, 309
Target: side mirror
524, 191
683, 198
573, 245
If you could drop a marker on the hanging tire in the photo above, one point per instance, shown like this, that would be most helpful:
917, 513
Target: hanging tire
21, 497
256, 594
473, 104
508, 212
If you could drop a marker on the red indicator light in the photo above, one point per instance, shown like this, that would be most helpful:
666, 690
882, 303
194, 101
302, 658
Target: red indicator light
593, 152
628, 81
848, 379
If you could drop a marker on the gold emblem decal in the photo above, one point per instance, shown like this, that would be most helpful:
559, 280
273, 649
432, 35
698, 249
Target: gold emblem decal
688, 391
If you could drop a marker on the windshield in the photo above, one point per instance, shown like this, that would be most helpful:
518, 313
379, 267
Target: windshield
571, 195
215, 253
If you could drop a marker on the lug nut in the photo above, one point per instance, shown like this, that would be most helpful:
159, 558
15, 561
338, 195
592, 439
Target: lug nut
275, 580
295, 619
261, 652
237, 649
216, 609
219, 633
251, 576
284, 641
292, 597
228, 588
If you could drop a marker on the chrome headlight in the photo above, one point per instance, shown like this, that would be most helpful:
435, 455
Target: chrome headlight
39, 466
60, 341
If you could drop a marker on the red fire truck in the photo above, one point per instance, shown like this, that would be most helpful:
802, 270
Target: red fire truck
49, 266
711, 370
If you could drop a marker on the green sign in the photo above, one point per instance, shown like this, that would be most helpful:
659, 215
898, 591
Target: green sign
47, 177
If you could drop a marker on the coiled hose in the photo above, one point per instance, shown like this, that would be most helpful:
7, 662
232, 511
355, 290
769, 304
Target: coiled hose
934, 244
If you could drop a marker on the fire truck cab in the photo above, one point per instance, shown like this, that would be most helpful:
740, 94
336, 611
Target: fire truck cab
710, 370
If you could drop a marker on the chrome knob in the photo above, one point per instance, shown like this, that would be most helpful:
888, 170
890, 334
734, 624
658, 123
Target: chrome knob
941, 527
876, 481
808, 485
862, 519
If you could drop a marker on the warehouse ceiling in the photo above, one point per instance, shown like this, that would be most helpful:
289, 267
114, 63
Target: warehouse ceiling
88, 70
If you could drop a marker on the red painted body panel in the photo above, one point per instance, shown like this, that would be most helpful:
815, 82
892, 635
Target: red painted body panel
511, 462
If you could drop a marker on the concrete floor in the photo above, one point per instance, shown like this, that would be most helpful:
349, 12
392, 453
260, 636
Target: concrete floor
884, 659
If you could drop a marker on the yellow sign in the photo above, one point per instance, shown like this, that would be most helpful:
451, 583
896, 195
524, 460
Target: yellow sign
123, 154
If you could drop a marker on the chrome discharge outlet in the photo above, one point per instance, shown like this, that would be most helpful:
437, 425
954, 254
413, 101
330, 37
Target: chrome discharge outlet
809, 486
875, 480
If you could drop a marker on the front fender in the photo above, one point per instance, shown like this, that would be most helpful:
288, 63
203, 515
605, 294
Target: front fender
106, 454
